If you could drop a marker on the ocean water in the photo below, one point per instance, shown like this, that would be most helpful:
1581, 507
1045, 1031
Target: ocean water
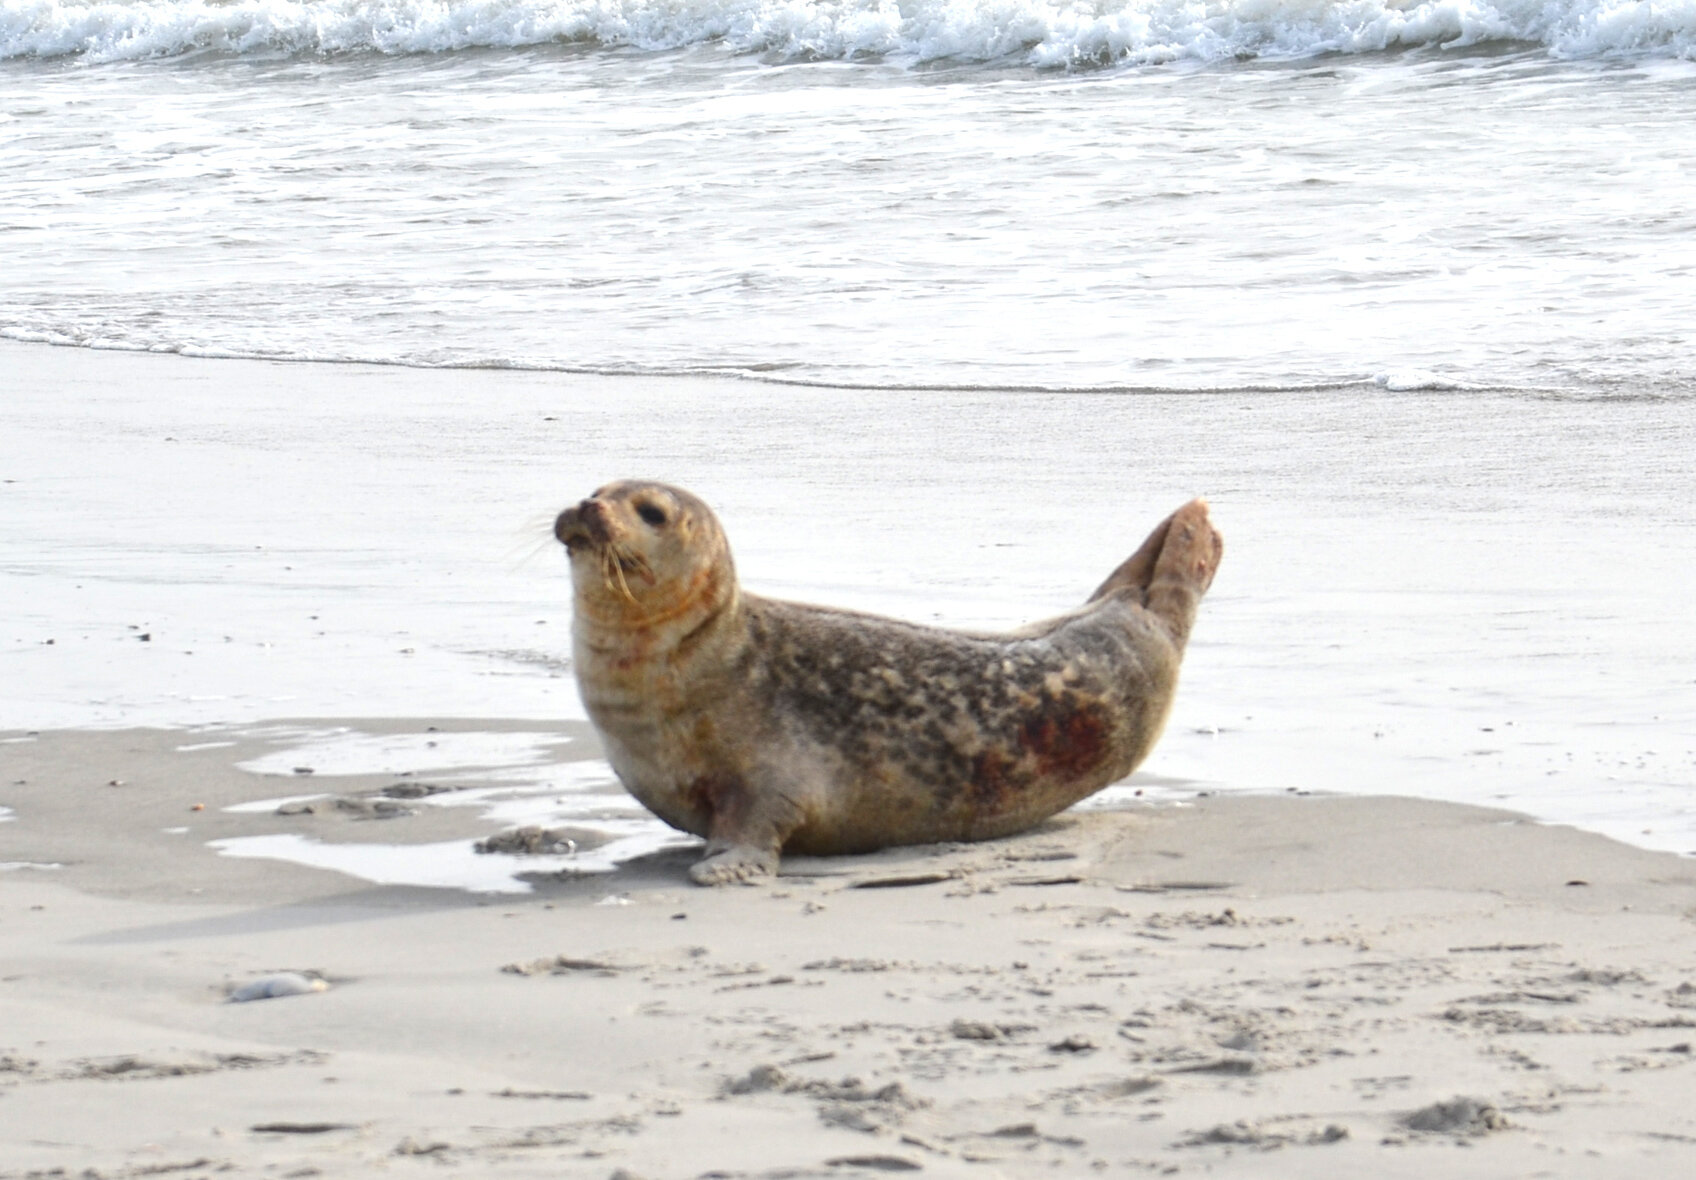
980, 287
1120, 194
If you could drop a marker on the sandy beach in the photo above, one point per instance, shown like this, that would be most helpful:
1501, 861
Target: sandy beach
315, 314
273, 669
1250, 986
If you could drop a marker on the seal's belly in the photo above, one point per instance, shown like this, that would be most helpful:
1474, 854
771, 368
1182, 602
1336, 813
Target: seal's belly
1004, 785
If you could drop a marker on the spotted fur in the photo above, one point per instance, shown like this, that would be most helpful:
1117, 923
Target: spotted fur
770, 726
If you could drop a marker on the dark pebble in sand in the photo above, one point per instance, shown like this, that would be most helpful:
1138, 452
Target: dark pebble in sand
374, 808
1461, 1116
877, 1163
902, 882
759, 1079
414, 790
411, 1146
1226, 1066
1073, 1044
974, 1030
529, 841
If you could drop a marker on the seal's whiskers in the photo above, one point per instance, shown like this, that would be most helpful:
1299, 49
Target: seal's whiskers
527, 548
612, 573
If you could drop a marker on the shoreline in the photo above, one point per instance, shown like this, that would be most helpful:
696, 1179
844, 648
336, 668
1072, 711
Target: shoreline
1244, 985
1393, 381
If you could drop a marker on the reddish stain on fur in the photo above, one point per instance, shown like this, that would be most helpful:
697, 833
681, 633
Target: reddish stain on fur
1067, 737
1063, 739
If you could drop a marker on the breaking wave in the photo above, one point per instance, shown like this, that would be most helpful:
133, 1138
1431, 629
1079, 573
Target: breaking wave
1040, 33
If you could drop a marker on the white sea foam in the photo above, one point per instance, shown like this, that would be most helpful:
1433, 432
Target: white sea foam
1410, 380
1044, 33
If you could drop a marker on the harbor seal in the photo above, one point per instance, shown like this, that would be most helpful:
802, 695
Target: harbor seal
770, 726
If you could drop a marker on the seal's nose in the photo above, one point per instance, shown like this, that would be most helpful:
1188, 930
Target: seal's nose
564, 525
585, 522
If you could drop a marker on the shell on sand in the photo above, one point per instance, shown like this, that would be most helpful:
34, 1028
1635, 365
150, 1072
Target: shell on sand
271, 987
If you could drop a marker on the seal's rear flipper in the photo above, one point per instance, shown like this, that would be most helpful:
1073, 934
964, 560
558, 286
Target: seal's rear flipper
1171, 570
1188, 559
1137, 569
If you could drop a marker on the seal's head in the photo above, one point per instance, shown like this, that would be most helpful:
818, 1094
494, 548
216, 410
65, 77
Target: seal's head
645, 553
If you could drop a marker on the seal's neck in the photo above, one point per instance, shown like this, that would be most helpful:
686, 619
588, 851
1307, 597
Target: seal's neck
663, 619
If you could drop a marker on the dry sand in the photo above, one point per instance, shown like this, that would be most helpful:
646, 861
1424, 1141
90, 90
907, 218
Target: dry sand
1275, 986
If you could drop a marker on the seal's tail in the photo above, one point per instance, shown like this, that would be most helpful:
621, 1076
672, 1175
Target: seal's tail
1171, 570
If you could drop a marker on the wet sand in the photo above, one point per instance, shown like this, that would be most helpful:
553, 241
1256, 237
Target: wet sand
1472, 597
1253, 985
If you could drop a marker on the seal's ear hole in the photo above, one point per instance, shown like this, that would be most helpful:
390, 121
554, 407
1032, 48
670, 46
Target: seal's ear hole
651, 514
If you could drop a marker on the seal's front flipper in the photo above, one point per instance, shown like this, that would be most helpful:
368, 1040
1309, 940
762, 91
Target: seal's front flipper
749, 822
1189, 557
735, 862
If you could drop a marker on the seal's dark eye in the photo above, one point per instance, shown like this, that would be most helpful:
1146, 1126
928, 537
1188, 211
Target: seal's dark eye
650, 514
